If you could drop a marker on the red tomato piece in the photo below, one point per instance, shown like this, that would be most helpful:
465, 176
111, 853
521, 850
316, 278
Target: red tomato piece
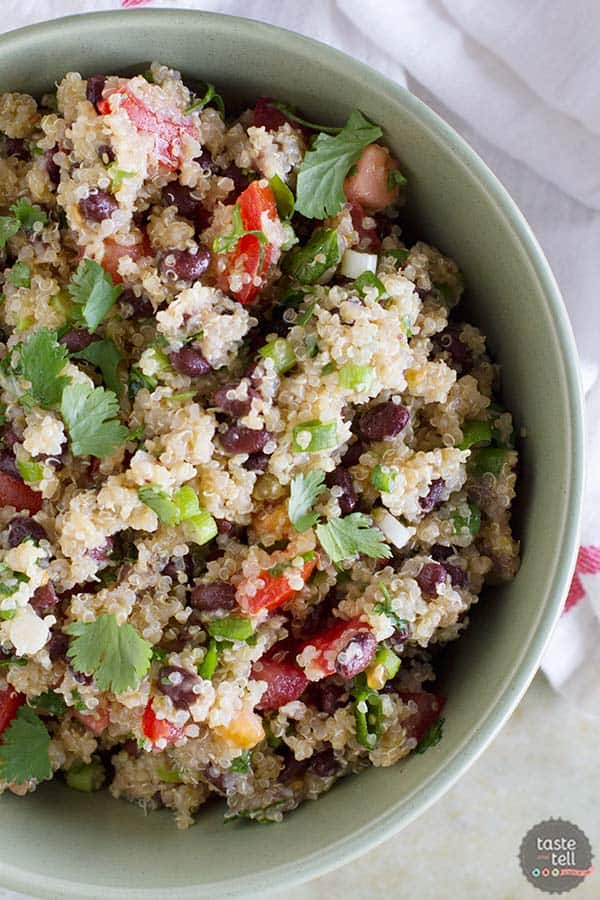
285, 679
113, 253
253, 202
276, 590
10, 701
429, 709
330, 643
18, 494
168, 129
157, 729
96, 721
368, 237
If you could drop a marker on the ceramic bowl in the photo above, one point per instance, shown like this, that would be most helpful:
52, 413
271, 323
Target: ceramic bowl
58, 843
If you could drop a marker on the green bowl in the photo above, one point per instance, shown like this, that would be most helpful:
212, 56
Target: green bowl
57, 843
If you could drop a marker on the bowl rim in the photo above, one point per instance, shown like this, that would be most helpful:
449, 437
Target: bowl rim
348, 848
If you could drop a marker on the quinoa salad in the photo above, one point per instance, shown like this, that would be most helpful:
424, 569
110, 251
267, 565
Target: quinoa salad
254, 468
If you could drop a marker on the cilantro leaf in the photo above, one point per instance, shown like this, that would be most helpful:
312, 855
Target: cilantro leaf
114, 654
8, 228
27, 215
89, 415
42, 361
321, 176
20, 274
304, 491
50, 702
93, 289
24, 749
433, 737
344, 537
106, 357
226, 243
210, 96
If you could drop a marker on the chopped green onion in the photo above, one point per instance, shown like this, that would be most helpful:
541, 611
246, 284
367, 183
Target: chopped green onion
475, 431
309, 263
20, 275
389, 660
186, 501
400, 255
171, 776
307, 315
282, 354
368, 715
328, 369
283, 198
488, 459
310, 437
30, 471
356, 378
232, 628
396, 179
206, 669
383, 478
201, 528
86, 777
472, 522
118, 176
369, 280
159, 502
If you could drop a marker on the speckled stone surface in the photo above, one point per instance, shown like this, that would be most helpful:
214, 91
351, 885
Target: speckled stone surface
545, 763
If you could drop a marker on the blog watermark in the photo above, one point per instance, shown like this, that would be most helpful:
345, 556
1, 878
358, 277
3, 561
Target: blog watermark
555, 856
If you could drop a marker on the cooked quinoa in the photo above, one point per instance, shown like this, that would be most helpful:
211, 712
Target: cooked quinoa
254, 471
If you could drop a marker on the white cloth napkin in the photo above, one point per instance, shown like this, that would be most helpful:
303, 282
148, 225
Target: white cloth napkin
520, 81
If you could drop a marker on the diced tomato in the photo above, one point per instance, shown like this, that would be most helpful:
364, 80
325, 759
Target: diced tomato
168, 129
429, 709
10, 701
368, 237
285, 679
253, 202
329, 644
275, 592
96, 721
370, 184
113, 253
157, 729
18, 494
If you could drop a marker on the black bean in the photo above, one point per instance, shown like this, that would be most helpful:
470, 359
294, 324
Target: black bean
238, 439
22, 528
326, 695
10, 436
433, 495
342, 478
44, 599
176, 194
293, 769
134, 306
205, 160
439, 552
212, 597
429, 577
52, 168
185, 265
99, 205
132, 748
178, 684
77, 339
353, 454
382, 421
233, 406
240, 182
18, 148
458, 576
8, 464
57, 646
94, 87
257, 462
190, 361
81, 677
106, 153
358, 653
450, 341
324, 764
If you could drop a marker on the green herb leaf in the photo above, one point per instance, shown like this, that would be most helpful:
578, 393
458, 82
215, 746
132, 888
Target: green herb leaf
20, 275
241, 763
433, 737
27, 215
86, 777
93, 289
106, 357
309, 263
226, 243
160, 502
90, 416
8, 228
321, 176
400, 255
210, 96
304, 491
30, 470
42, 361
283, 198
344, 537
50, 702
369, 280
472, 521
115, 655
289, 113
475, 431
171, 776
24, 750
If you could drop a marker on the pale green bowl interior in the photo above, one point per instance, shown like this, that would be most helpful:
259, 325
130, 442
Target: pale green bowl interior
59, 843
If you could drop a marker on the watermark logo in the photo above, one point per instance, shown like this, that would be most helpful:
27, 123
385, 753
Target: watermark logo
555, 856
